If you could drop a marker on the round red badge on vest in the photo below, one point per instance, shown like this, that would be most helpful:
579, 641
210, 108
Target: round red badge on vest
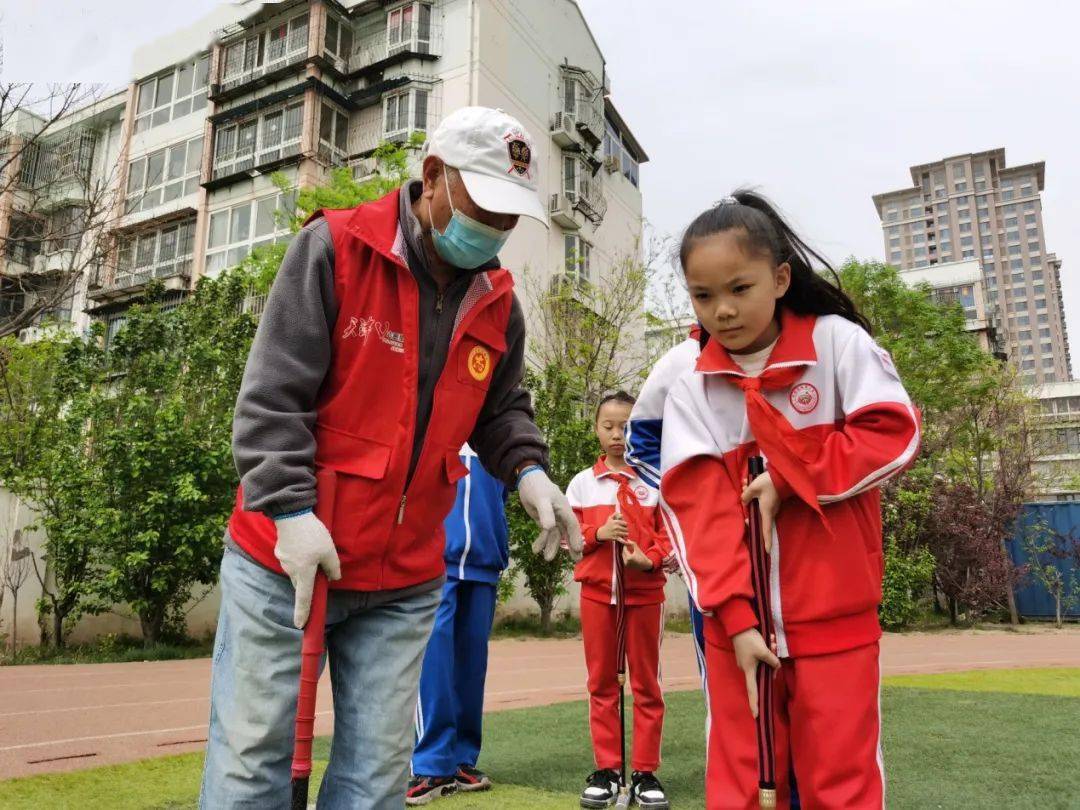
804, 397
641, 493
479, 363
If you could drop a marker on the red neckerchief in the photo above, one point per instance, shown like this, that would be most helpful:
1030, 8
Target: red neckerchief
637, 519
788, 450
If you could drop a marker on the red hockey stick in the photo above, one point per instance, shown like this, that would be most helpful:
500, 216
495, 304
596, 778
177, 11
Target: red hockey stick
311, 653
759, 572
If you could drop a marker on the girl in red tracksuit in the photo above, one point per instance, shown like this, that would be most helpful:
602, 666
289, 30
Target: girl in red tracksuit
618, 516
789, 372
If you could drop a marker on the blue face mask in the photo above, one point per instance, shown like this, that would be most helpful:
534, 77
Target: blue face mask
464, 242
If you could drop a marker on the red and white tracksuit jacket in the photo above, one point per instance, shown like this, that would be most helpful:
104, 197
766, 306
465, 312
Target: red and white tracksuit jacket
833, 421
594, 494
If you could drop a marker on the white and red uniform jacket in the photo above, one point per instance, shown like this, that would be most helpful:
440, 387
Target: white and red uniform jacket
594, 496
833, 421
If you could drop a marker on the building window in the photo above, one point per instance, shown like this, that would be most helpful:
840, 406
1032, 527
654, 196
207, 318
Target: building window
967, 241
1007, 194
894, 242
961, 186
1044, 333
895, 257
409, 27
980, 184
337, 39
891, 215
406, 112
334, 130
959, 171
164, 175
1033, 247
965, 227
158, 253
1025, 190
918, 238
578, 253
243, 145
269, 49
236, 231
943, 208
172, 95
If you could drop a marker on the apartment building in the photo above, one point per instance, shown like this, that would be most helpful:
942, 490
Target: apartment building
305, 87
975, 207
963, 283
1057, 467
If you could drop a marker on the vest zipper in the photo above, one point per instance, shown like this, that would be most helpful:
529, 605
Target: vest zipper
401, 510
438, 303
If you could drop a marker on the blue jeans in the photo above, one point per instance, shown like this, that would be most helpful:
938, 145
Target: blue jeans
450, 712
374, 650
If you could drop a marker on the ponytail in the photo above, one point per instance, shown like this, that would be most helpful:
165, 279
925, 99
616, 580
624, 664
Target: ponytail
764, 232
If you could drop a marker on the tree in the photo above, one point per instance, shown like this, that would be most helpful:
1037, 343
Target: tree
1054, 562
42, 451
160, 425
15, 574
976, 447
557, 398
586, 341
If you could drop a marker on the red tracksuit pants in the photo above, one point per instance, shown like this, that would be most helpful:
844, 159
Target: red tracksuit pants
827, 724
644, 632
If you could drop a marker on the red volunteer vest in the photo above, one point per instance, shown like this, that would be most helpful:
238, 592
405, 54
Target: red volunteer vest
389, 535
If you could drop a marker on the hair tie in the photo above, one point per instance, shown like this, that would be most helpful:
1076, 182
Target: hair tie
728, 201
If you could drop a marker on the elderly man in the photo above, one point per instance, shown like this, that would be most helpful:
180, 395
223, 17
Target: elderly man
391, 337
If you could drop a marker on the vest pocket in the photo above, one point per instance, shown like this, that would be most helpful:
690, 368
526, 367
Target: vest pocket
349, 454
361, 465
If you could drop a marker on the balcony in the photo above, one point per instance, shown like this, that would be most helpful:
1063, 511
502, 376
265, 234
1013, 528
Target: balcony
126, 284
260, 154
590, 200
242, 74
376, 52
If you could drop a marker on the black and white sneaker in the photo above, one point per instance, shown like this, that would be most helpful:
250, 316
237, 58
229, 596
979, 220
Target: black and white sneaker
425, 789
647, 792
470, 778
601, 789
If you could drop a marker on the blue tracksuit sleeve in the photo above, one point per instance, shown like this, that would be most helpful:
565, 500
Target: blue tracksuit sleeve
477, 536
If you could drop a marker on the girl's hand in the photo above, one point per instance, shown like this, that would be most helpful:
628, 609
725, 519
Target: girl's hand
614, 529
635, 557
768, 500
750, 648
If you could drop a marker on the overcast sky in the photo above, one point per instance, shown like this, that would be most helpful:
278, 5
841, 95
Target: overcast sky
819, 104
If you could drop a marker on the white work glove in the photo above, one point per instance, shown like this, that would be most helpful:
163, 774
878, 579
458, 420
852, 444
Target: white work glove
304, 544
545, 503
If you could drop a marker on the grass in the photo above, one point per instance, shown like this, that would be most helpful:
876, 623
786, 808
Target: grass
109, 649
1002, 739
564, 625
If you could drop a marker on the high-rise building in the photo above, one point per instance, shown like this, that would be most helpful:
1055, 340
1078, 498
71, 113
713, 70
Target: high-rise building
974, 207
308, 86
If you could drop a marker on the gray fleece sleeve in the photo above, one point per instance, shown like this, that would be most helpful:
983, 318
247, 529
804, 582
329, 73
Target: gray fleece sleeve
506, 434
273, 444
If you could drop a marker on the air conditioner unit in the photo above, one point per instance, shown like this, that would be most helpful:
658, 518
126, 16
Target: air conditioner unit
339, 64
561, 211
31, 334
564, 129
41, 264
612, 163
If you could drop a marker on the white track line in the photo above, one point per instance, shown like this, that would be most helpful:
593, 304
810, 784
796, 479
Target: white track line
200, 727
107, 706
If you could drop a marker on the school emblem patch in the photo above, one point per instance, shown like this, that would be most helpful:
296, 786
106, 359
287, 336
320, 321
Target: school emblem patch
640, 492
804, 397
479, 363
520, 154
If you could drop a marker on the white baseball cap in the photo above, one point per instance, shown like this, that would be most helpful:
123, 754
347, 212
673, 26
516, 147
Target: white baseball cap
494, 154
